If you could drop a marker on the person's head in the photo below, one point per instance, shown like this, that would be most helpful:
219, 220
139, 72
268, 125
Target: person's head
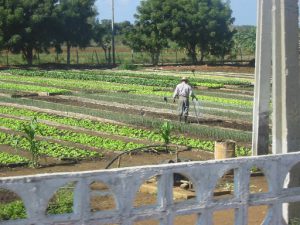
184, 79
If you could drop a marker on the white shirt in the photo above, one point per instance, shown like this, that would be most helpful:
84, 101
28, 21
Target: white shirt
183, 89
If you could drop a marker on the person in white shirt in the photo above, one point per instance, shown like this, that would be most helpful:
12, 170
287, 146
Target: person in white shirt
183, 91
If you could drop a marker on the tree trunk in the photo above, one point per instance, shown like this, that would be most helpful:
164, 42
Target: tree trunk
7, 62
241, 54
105, 54
97, 57
155, 58
132, 57
194, 57
28, 53
202, 55
38, 57
68, 53
193, 54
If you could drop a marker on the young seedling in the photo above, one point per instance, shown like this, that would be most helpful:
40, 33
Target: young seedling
165, 131
30, 130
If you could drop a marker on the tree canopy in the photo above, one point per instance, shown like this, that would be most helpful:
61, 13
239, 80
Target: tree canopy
147, 33
203, 26
26, 25
30, 25
200, 27
244, 40
76, 18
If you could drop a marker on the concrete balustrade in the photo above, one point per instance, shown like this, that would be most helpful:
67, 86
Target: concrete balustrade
36, 192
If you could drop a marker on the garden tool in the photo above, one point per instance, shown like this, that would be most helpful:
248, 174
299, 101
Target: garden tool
196, 103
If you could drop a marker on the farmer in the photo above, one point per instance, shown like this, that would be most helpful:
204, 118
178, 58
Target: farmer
183, 91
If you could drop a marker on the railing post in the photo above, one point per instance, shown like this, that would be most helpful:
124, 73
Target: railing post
165, 197
241, 191
290, 91
276, 79
260, 138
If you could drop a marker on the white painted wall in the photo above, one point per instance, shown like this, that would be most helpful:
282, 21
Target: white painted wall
35, 191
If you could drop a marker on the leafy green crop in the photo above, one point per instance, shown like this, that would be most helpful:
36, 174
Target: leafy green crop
51, 149
6, 159
66, 135
31, 88
109, 86
148, 79
121, 130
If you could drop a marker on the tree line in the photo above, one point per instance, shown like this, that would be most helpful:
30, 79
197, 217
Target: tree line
200, 27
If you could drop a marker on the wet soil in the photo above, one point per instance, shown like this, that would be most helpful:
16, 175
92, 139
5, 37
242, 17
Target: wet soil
205, 121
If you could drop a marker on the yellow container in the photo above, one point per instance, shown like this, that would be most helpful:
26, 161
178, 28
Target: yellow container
224, 149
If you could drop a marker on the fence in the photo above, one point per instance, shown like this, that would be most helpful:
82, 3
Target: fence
96, 56
36, 191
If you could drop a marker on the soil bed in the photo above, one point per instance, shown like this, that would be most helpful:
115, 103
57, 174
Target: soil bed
205, 121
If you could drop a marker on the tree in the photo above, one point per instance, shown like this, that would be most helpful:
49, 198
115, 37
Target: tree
122, 27
26, 26
147, 33
102, 35
245, 40
200, 24
76, 19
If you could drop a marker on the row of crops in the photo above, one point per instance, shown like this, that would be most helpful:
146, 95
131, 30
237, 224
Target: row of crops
75, 85
146, 79
56, 150
206, 132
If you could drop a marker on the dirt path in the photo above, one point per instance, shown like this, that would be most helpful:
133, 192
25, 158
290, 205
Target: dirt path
206, 68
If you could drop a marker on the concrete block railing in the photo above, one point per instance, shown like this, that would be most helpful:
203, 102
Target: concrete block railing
36, 191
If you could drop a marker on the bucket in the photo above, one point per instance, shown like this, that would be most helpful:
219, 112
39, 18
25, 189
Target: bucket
224, 149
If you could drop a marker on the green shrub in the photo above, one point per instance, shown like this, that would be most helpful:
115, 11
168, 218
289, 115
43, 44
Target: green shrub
128, 66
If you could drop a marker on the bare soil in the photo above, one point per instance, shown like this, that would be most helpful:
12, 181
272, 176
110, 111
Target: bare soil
207, 68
